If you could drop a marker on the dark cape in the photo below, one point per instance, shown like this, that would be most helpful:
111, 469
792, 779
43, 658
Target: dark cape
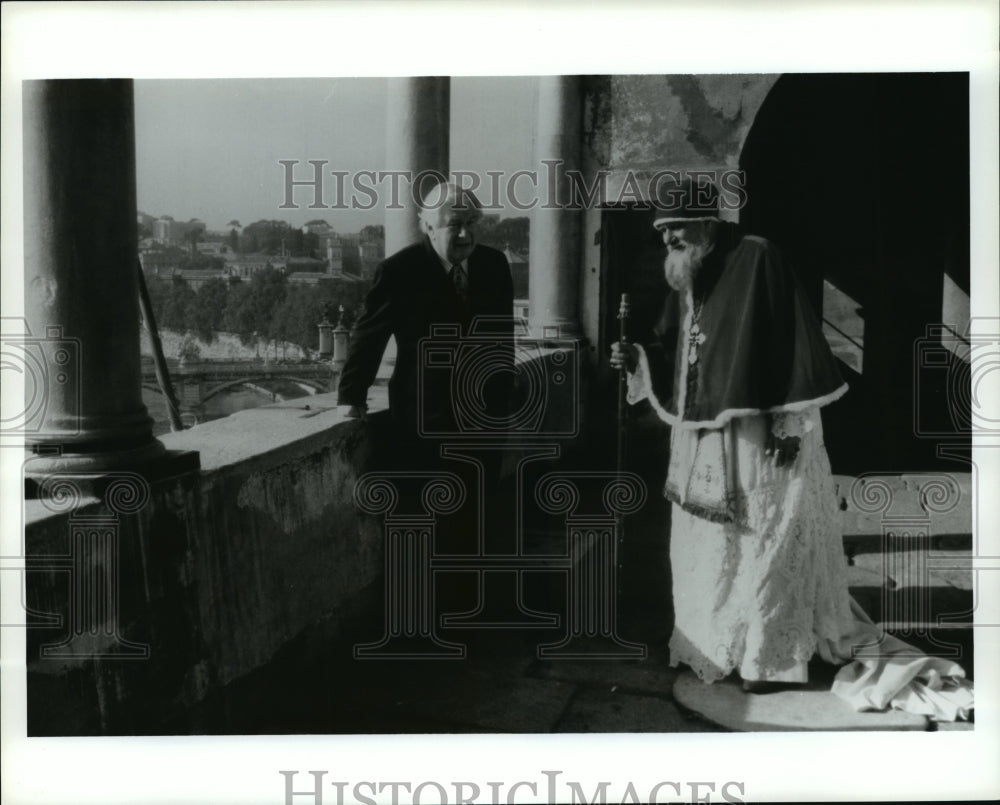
763, 349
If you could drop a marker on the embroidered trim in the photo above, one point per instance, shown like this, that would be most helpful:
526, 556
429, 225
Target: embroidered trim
682, 380
716, 515
730, 413
695, 339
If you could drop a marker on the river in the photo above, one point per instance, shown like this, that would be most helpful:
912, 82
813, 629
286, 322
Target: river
222, 404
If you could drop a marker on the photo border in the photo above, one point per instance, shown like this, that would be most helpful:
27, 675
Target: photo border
178, 40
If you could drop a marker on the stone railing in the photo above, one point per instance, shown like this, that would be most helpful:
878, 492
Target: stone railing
145, 595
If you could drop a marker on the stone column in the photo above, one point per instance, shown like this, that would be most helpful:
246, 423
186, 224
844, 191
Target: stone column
555, 232
81, 288
418, 123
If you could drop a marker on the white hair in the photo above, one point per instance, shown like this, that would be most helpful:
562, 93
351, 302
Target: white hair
446, 196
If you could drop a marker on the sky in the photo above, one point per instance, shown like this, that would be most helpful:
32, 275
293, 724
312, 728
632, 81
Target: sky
210, 148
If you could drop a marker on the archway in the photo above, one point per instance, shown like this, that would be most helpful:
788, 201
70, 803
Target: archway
863, 180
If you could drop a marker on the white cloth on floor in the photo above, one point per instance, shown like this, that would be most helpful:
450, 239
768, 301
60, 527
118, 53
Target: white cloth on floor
884, 671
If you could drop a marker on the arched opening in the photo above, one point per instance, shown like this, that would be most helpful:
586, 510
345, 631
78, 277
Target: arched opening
863, 180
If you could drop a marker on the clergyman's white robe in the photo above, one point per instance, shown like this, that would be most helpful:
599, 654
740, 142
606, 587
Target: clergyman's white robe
762, 594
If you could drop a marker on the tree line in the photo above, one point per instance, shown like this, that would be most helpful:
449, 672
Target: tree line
269, 308
265, 308
492, 230
274, 237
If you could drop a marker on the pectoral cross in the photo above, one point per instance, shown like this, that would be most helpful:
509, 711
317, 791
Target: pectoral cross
696, 337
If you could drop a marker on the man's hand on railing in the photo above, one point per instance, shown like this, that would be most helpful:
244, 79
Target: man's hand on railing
353, 411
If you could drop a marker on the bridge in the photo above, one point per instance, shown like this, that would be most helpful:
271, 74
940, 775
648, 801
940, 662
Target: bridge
196, 382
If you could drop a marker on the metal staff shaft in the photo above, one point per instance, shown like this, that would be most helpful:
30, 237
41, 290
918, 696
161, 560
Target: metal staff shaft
624, 310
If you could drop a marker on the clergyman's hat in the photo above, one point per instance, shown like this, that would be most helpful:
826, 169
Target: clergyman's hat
685, 199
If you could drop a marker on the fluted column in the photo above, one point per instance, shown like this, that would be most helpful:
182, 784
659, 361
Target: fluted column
555, 230
418, 123
81, 294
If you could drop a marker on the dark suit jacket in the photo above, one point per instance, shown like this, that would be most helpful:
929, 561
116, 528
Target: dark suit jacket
412, 292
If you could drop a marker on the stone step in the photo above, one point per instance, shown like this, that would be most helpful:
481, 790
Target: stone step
913, 585
937, 503
862, 543
904, 582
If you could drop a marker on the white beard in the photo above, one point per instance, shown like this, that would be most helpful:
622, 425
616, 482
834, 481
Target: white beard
681, 265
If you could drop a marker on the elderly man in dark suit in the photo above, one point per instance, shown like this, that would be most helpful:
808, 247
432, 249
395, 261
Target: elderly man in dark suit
436, 288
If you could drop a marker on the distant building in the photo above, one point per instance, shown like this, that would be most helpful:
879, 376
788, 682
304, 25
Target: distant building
315, 277
332, 249
196, 277
162, 229
176, 233
371, 252
307, 270
213, 247
297, 265
159, 262
245, 266
350, 260
144, 220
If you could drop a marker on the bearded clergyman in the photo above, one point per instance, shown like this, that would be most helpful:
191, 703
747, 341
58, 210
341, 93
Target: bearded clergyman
739, 368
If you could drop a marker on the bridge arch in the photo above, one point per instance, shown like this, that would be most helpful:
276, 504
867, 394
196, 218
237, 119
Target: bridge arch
318, 385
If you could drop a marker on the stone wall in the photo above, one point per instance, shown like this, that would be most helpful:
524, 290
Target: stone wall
216, 571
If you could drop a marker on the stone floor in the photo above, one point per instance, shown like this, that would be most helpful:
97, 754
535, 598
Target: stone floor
501, 684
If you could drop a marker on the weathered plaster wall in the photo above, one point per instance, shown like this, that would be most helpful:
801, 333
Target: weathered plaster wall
671, 121
646, 123
681, 120
217, 571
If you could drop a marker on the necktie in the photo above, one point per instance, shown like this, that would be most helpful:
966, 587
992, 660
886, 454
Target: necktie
460, 281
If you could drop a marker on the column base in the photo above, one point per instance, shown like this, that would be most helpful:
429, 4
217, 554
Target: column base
93, 472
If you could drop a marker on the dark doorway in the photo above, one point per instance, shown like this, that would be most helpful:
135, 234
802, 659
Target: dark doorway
863, 181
